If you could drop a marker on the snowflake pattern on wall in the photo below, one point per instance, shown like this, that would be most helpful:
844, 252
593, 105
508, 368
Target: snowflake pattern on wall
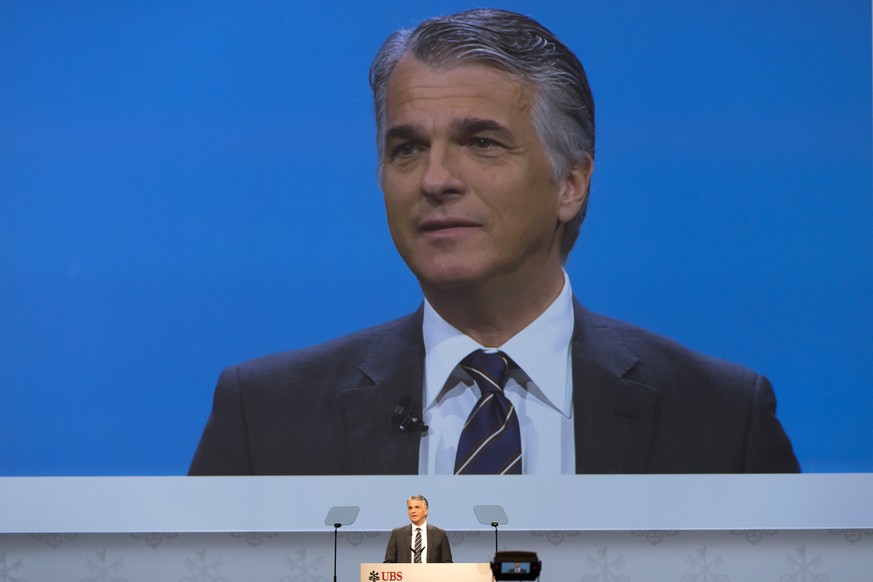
355, 538
254, 538
153, 540
7, 570
604, 568
456, 538
804, 570
655, 536
302, 569
753, 536
853, 536
54, 540
555, 537
704, 568
204, 571
104, 569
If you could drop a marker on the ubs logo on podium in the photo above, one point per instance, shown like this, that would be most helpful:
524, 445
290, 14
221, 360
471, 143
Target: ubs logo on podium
386, 576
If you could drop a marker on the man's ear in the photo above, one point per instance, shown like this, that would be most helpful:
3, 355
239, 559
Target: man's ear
573, 191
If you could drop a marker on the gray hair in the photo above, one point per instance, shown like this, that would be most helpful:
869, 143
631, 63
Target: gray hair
563, 114
419, 498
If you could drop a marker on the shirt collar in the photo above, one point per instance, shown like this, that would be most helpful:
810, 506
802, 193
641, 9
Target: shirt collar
541, 350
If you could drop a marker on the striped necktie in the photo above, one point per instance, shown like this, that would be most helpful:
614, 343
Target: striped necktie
490, 442
417, 550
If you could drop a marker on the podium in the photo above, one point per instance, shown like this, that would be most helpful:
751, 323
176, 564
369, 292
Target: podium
379, 572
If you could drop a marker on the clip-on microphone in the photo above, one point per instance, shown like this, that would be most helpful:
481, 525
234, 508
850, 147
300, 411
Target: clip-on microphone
403, 419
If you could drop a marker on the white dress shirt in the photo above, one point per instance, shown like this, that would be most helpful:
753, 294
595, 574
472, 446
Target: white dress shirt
541, 391
423, 527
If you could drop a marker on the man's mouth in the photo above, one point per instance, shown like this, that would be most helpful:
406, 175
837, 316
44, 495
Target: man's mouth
437, 224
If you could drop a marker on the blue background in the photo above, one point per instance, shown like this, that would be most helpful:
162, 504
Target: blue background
187, 185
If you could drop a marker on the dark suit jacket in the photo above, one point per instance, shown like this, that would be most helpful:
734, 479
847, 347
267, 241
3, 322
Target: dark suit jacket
641, 404
400, 545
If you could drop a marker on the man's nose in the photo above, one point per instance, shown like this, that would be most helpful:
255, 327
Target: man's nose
441, 174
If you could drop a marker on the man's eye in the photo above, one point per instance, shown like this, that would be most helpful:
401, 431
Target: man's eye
483, 144
404, 150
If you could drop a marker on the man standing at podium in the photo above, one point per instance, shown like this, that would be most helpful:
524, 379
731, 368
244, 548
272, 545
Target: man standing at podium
419, 542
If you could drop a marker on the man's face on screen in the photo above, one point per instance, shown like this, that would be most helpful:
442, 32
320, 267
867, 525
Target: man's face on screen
417, 511
468, 185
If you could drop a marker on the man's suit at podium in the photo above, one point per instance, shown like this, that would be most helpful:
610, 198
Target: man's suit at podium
400, 544
418, 542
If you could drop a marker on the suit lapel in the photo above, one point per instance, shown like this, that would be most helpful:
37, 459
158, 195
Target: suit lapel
614, 416
405, 546
392, 366
430, 549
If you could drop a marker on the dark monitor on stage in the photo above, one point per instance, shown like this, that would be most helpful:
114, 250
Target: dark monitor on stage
516, 565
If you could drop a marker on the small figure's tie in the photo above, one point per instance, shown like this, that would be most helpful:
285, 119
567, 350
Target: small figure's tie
417, 549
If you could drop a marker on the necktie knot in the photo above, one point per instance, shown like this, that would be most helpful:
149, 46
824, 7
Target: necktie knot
488, 369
